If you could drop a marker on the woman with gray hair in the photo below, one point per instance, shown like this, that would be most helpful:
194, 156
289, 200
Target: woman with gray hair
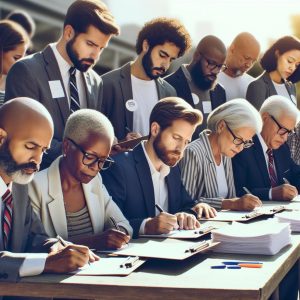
69, 196
206, 168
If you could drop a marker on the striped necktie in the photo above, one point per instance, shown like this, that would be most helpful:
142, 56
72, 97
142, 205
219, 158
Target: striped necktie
75, 104
7, 217
271, 168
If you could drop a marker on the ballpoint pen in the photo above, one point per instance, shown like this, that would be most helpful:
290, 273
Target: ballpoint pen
159, 208
285, 180
115, 223
246, 190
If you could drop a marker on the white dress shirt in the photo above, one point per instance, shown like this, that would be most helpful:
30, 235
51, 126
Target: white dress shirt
221, 180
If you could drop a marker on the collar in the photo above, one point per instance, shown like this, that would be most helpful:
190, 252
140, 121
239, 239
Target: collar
262, 142
64, 66
164, 170
4, 187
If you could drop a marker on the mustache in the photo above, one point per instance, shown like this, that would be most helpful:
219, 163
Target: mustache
159, 69
30, 165
175, 152
88, 60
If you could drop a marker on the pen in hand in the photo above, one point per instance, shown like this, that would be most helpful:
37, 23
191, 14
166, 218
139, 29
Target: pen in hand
116, 225
159, 208
246, 190
285, 180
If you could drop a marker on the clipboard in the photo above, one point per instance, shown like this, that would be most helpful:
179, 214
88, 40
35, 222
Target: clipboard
166, 249
244, 216
130, 144
183, 234
111, 266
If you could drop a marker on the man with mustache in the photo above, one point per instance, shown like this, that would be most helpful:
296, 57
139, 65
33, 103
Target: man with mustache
61, 76
197, 82
241, 56
26, 129
149, 175
130, 92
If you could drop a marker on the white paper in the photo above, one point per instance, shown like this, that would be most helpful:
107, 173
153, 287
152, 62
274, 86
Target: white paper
56, 89
206, 107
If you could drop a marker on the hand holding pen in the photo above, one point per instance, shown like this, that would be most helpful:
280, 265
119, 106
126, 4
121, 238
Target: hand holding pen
284, 192
248, 201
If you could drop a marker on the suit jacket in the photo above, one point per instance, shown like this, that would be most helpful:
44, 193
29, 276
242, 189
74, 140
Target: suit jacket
250, 170
30, 77
262, 88
117, 89
179, 81
28, 235
130, 184
47, 200
199, 175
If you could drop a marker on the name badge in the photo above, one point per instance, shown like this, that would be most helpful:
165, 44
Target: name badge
131, 105
56, 89
195, 98
206, 107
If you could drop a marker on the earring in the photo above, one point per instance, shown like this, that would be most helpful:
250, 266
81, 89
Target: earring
64, 155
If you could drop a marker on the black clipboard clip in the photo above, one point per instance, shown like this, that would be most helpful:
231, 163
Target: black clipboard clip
205, 229
129, 262
197, 247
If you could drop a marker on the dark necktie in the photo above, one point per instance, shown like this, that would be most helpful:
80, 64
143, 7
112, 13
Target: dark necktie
271, 168
75, 104
7, 217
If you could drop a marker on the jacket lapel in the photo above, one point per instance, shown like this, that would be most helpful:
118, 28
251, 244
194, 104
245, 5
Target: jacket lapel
90, 97
270, 85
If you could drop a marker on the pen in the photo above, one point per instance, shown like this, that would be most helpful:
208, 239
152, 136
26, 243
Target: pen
218, 267
246, 190
159, 208
285, 180
256, 266
230, 263
128, 129
115, 223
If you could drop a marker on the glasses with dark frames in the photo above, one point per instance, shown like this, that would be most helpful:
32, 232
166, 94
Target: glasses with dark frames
238, 141
282, 130
212, 66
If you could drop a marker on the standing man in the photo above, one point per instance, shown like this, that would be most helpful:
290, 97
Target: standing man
197, 82
130, 92
26, 129
241, 56
61, 76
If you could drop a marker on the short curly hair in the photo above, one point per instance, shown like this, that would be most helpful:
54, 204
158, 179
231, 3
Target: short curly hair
161, 30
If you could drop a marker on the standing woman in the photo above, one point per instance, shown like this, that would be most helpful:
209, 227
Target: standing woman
280, 63
13, 45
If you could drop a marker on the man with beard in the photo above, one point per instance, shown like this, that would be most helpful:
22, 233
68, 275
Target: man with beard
130, 92
149, 176
241, 56
26, 129
61, 76
196, 82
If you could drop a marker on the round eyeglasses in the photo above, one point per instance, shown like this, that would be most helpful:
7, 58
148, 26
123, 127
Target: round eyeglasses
238, 141
212, 66
282, 130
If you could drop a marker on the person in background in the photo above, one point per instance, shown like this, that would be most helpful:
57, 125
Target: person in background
241, 56
279, 62
294, 144
69, 196
206, 168
13, 44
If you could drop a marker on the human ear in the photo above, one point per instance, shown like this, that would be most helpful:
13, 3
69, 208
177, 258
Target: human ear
3, 136
68, 32
155, 128
145, 45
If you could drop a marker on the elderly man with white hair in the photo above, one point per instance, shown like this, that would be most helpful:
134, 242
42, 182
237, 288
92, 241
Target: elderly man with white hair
206, 168
267, 168
69, 196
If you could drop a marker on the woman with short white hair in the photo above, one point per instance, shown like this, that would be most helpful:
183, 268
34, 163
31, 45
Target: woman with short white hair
69, 196
206, 168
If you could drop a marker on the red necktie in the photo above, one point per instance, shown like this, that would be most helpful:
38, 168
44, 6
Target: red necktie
7, 217
271, 168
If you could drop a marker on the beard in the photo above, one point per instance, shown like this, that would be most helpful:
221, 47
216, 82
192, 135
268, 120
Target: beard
168, 157
80, 64
148, 66
200, 79
13, 169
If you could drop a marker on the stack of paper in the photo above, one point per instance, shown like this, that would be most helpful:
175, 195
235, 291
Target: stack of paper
267, 237
293, 218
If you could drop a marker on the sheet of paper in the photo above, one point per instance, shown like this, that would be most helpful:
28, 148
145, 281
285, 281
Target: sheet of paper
56, 89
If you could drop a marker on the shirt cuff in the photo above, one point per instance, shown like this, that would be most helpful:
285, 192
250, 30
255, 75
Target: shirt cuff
142, 227
270, 194
33, 264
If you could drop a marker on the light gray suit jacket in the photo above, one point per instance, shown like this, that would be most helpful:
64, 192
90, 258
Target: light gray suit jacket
30, 77
47, 200
28, 235
199, 175
117, 89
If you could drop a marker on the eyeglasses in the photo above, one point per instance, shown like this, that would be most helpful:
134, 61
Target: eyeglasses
89, 159
212, 66
238, 141
282, 130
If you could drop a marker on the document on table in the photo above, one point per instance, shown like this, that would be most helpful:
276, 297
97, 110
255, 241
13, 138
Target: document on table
121, 266
291, 217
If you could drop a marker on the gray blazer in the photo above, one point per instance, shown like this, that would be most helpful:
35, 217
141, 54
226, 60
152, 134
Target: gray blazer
262, 88
117, 90
30, 77
28, 235
198, 172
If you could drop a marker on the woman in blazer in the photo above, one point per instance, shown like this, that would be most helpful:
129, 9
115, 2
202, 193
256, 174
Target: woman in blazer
69, 196
281, 67
206, 168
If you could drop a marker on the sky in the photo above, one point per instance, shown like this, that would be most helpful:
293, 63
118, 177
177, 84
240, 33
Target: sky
267, 20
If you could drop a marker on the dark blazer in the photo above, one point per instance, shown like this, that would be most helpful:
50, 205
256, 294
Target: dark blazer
180, 83
28, 235
130, 184
117, 89
29, 77
250, 170
262, 88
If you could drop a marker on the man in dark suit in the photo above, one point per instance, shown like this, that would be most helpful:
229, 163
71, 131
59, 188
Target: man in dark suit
148, 175
267, 168
197, 82
130, 92
26, 129
61, 76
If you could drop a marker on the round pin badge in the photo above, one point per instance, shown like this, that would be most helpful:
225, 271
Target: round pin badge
195, 99
131, 105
